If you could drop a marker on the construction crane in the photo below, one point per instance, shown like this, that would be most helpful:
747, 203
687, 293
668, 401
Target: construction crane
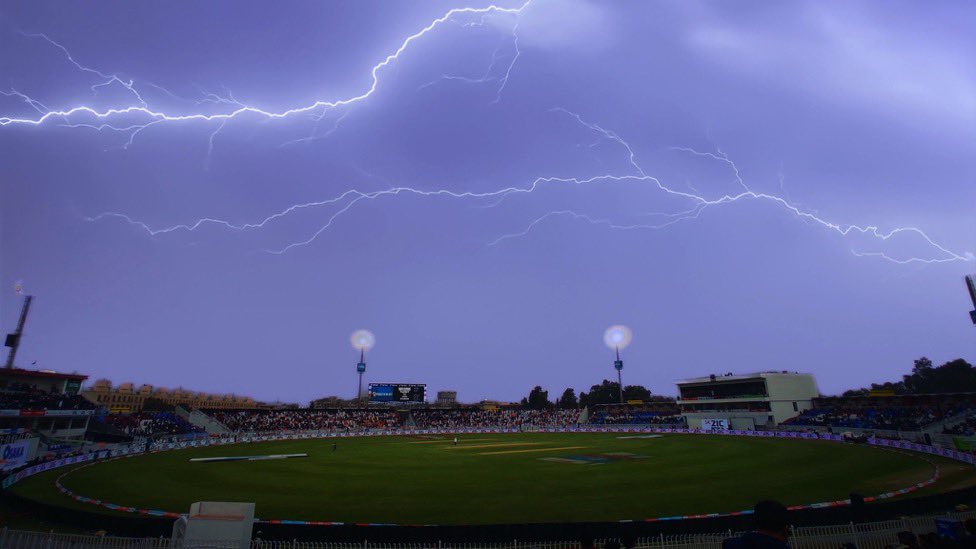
13, 340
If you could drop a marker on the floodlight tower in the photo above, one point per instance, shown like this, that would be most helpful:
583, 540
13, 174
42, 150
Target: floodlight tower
971, 286
13, 340
616, 338
619, 366
362, 340
361, 368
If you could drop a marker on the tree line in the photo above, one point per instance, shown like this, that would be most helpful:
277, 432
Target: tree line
955, 376
606, 392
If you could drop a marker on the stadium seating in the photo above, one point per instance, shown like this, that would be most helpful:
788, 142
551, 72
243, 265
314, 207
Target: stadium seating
894, 418
421, 418
150, 424
633, 417
505, 418
35, 400
967, 427
306, 420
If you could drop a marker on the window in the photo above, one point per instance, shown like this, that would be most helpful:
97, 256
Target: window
795, 407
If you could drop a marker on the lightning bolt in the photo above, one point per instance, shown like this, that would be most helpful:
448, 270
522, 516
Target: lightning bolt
701, 204
345, 201
350, 198
141, 108
107, 79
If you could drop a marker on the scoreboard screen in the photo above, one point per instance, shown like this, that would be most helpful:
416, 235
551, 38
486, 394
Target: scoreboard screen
398, 392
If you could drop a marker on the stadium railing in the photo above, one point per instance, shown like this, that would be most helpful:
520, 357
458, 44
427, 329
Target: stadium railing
871, 535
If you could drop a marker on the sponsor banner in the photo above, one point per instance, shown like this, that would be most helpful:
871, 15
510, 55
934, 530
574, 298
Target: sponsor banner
69, 412
715, 424
39, 413
14, 455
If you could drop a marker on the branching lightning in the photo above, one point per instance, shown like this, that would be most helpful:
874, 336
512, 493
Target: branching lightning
700, 203
141, 108
119, 119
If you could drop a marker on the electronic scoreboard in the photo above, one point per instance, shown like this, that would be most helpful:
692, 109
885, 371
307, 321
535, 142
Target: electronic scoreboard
406, 393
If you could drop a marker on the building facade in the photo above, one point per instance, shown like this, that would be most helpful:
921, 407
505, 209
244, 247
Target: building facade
745, 401
43, 401
126, 398
446, 399
45, 381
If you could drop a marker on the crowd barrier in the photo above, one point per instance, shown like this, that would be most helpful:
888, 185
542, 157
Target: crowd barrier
135, 450
872, 535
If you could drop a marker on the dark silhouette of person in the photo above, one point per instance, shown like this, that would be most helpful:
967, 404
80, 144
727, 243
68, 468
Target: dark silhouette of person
772, 529
969, 540
908, 539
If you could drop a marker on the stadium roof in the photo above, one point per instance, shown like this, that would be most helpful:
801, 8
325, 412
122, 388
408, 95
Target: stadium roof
20, 372
716, 378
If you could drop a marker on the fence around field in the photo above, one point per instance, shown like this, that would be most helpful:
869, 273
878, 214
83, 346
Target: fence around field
871, 535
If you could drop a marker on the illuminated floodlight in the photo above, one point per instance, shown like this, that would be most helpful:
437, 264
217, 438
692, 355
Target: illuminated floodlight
362, 340
617, 337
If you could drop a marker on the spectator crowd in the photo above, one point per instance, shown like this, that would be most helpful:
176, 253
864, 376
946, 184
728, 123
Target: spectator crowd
965, 428
150, 424
634, 417
34, 399
503, 418
893, 418
306, 420
352, 420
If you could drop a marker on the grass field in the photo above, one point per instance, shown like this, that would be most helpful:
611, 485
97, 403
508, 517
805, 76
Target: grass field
495, 478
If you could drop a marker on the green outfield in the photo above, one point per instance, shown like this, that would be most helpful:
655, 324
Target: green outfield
496, 478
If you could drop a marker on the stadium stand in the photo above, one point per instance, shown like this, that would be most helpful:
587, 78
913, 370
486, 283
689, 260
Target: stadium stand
149, 424
966, 427
660, 413
36, 400
893, 418
895, 413
505, 418
421, 418
305, 420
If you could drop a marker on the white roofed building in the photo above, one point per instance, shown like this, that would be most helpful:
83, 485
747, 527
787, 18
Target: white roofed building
745, 401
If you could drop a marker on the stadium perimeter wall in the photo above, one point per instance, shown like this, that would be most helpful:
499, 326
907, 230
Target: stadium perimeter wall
158, 522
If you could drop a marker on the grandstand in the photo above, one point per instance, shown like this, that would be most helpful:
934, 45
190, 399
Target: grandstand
149, 424
42, 411
746, 401
922, 417
661, 412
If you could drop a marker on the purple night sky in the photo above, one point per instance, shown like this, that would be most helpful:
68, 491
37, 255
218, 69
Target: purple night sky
515, 180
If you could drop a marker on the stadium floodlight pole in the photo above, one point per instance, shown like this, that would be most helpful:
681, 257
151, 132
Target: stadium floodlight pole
13, 340
362, 340
617, 337
619, 366
971, 286
361, 368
